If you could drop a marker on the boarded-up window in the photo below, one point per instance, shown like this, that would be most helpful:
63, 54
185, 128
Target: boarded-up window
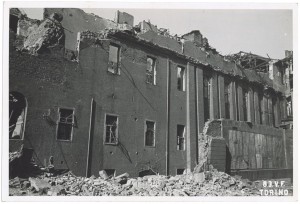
151, 71
226, 98
206, 96
114, 57
181, 78
65, 124
111, 129
150, 134
180, 137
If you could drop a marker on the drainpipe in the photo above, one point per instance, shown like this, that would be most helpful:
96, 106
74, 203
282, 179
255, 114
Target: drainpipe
188, 132
197, 113
168, 116
89, 141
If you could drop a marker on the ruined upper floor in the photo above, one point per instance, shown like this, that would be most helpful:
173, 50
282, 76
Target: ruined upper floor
73, 28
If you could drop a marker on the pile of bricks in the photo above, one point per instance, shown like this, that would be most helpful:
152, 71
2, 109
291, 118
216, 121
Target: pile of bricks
208, 183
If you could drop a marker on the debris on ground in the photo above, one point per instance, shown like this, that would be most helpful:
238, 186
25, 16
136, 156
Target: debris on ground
21, 163
207, 183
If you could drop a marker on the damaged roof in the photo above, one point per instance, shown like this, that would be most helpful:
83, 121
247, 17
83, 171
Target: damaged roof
192, 53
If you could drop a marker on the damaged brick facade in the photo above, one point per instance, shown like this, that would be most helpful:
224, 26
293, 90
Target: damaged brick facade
132, 100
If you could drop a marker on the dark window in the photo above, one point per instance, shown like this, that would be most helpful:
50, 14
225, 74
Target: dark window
245, 103
179, 171
289, 108
114, 58
180, 137
270, 111
281, 75
181, 78
151, 71
17, 115
206, 96
13, 23
150, 134
65, 124
110, 172
260, 104
111, 129
226, 98
237, 102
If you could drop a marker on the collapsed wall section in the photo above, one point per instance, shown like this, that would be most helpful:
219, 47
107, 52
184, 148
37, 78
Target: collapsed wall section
212, 147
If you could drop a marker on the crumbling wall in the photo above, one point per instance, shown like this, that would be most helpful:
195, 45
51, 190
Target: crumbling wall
212, 147
49, 33
76, 20
26, 26
49, 82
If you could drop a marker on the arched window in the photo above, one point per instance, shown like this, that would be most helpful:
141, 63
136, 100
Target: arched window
17, 115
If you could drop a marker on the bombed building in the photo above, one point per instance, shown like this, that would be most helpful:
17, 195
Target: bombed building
87, 94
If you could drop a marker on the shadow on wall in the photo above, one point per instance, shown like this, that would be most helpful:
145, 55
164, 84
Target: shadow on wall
124, 151
228, 161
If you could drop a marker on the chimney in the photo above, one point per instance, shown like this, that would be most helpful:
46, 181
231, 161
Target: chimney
194, 36
124, 18
205, 43
288, 53
146, 26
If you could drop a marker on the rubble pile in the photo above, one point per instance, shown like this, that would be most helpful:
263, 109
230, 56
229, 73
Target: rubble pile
207, 183
21, 164
49, 33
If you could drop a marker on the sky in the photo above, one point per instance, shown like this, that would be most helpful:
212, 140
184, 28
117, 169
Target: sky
263, 32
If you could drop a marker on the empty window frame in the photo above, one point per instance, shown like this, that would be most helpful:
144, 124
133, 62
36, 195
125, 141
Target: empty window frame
181, 78
245, 103
114, 59
65, 124
111, 129
180, 137
289, 108
151, 71
150, 134
17, 115
226, 98
206, 96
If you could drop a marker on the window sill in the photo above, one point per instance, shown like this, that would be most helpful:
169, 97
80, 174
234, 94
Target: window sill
115, 74
181, 90
63, 140
149, 146
152, 84
16, 139
111, 144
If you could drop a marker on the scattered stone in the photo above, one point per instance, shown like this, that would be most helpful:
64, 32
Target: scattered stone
103, 174
207, 183
39, 184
